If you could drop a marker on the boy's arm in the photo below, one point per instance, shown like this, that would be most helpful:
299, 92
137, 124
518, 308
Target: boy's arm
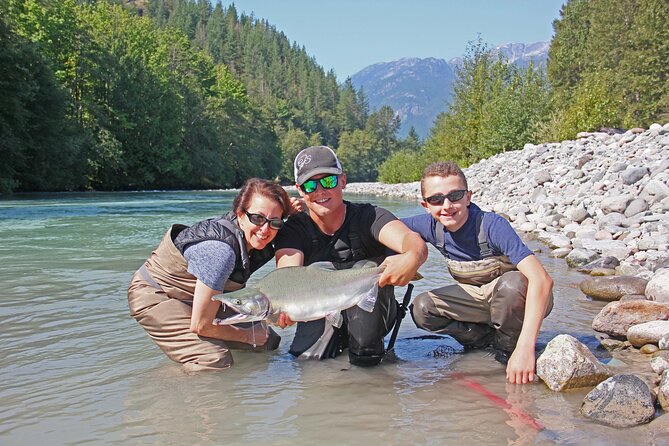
520, 368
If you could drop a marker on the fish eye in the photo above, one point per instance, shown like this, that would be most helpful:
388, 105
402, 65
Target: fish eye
238, 301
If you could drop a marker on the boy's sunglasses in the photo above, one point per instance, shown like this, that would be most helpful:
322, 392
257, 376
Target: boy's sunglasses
453, 196
259, 220
328, 182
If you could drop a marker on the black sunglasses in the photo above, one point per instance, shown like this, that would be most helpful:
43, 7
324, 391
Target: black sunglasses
453, 196
259, 220
328, 182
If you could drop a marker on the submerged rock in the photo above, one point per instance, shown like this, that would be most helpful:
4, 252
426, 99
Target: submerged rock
617, 317
567, 364
612, 288
620, 401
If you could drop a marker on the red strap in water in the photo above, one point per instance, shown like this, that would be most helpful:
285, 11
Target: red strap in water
498, 400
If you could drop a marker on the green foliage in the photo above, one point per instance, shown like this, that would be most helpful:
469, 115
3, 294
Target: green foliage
38, 146
401, 167
618, 48
496, 108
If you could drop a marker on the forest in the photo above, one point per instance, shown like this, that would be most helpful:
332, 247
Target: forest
173, 94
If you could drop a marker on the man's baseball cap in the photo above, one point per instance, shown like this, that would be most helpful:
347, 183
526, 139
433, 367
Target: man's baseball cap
313, 161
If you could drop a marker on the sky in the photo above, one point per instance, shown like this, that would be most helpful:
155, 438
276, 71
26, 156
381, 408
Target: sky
349, 35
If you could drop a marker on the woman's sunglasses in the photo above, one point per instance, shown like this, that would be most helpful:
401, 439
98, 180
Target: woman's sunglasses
328, 182
453, 196
259, 220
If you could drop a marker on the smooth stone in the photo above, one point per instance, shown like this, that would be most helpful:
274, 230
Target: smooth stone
649, 349
612, 288
658, 286
617, 317
647, 333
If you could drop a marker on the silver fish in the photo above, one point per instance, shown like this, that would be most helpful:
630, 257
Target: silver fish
305, 293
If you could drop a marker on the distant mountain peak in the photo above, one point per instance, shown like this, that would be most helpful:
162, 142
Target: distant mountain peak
418, 89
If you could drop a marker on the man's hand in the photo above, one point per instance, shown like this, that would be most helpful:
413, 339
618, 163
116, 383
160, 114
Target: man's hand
296, 205
399, 269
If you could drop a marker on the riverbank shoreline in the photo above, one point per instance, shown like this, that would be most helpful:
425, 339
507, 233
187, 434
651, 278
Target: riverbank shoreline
599, 196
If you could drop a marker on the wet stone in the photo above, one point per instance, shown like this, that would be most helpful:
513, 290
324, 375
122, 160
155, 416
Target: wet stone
599, 272
567, 364
620, 401
649, 349
612, 288
612, 345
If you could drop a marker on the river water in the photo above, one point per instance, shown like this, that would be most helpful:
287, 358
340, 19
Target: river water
77, 369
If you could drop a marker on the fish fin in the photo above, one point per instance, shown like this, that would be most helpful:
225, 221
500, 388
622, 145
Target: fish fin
367, 303
273, 318
335, 319
329, 266
417, 276
364, 264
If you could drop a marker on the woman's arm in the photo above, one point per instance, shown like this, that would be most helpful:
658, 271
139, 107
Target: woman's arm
204, 312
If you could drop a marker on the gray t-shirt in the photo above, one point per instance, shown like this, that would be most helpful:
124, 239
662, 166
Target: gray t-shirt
211, 261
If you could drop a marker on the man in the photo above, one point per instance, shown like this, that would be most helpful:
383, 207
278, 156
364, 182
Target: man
341, 232
503, 292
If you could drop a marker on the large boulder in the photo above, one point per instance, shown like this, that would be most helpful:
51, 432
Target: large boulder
617, 317
620, 401
658, 286
612, 288
568, 364
647, 333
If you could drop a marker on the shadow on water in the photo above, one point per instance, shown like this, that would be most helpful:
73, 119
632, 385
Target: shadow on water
77, 369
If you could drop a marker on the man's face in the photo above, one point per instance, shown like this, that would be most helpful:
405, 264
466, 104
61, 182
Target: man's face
451, 214
322, 201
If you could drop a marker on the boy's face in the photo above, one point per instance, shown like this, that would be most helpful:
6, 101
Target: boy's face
452, 214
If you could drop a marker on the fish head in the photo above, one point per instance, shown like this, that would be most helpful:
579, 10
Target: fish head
250, 304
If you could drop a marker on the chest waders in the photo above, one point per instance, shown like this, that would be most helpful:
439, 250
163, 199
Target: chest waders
475, 272
362, 332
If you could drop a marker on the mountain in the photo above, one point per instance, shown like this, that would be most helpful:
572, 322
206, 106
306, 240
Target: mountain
419, 89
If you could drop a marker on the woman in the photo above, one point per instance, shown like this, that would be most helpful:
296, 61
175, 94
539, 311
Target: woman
170, 295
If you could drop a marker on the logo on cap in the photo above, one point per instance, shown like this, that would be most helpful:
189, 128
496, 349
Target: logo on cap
306, 159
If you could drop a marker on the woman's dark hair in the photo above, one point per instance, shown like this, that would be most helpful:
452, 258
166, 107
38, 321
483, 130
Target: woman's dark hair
267, 189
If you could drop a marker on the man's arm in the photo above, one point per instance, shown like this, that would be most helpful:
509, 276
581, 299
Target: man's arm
400, 269
520, 368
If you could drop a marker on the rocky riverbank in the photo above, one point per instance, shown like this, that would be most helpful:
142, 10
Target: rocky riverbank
601, 195
601, 202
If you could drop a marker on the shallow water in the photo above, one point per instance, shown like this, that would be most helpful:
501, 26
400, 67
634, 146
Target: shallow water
77, 369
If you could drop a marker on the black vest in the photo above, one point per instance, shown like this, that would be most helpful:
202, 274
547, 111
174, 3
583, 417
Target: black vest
225, 230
